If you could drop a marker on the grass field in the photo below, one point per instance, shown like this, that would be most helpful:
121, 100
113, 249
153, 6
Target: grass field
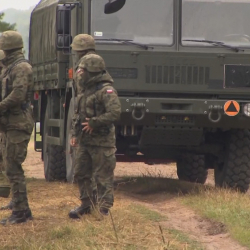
131, 226
135, 225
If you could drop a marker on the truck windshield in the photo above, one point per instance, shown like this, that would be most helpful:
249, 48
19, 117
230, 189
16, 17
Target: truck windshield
226, 21
142, 21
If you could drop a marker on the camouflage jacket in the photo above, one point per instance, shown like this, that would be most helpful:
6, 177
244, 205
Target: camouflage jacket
101, 104
17, 88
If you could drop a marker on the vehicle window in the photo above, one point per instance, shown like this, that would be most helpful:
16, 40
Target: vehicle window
148, 22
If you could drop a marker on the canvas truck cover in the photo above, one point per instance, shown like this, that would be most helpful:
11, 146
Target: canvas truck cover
42, 40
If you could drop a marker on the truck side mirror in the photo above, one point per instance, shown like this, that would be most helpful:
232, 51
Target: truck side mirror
63, 27
113, 6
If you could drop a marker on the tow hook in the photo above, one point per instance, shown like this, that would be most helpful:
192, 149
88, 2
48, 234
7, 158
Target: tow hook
138, 112
214, 114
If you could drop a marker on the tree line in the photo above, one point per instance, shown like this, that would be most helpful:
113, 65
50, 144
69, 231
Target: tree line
12, 19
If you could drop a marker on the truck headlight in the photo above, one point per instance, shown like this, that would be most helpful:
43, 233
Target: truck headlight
247, 109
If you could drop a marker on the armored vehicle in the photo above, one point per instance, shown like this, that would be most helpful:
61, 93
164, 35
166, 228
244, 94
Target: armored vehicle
182, 71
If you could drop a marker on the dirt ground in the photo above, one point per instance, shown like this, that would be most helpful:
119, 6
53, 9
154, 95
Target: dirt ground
211, 235
34, 168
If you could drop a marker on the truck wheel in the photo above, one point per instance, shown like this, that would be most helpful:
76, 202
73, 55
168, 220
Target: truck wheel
70, 151
191, 168
234, 172
53, 157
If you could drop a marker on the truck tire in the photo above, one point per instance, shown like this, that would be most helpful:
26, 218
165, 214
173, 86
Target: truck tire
53, 157
70, 151
191, 168
234, 171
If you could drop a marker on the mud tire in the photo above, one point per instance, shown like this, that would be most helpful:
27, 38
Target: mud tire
53, 157
56, 169
191, 168
70, 151
234, 171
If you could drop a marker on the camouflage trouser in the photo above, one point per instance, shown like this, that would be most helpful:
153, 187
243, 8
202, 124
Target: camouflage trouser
3, 178
97, 163
15, 154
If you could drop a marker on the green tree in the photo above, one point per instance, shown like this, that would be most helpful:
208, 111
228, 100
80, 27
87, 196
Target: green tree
4, 25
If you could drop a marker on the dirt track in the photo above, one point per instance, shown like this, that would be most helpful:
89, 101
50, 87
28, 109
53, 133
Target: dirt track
211, 235
34, 168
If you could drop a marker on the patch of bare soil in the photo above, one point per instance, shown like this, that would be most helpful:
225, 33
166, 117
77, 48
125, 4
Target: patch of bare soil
33, 166
212, 235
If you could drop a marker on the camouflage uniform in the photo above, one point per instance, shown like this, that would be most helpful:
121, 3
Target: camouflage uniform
2, 168
16, 117
83, 44
96, 151
4, 183
2, 56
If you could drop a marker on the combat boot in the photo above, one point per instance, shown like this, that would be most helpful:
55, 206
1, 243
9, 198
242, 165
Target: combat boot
104, 211
79, 211
8, 206
17, 217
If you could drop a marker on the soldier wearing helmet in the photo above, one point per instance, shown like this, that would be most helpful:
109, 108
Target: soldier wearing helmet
93, 132
83, 44
4, 183
17, 120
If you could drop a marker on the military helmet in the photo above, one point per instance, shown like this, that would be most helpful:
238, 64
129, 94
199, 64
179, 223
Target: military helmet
11, 40
2, 55
92, 63
83, 42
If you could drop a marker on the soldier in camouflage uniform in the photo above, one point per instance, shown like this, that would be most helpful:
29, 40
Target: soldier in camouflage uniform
4, 183
83, 44
98, 107
16, 116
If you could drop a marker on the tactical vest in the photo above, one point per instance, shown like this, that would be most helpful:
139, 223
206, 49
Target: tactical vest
98, 86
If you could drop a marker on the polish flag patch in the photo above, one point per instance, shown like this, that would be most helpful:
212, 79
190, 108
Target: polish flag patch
109, 91
79, 71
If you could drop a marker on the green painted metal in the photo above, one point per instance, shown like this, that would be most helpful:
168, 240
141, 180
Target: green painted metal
156, 73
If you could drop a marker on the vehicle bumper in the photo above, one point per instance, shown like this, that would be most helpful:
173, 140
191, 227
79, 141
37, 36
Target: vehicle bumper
192, 113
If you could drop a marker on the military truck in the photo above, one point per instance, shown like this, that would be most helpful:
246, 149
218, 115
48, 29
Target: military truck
182, 71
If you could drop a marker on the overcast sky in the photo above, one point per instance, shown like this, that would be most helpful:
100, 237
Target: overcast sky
17, 4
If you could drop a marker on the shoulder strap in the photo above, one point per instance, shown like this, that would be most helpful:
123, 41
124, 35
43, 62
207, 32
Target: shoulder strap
13, 65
